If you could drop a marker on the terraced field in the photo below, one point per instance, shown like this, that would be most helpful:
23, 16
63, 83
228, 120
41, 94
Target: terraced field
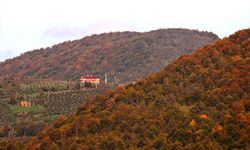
6, 114
48, 100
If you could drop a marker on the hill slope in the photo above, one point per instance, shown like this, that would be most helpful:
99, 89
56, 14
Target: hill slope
47, 99
200, 101
118, 54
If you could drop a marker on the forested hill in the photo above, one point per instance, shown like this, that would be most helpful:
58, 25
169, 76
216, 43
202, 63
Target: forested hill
200, 101
118, 54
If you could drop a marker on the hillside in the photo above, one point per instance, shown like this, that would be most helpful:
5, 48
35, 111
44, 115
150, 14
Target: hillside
200, 101
118, 54
47, 99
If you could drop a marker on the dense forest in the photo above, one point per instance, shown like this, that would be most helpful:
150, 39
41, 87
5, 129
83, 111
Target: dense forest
199, 101
118, 54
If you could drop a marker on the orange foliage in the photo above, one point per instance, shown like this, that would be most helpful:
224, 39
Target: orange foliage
204, 116
177, 108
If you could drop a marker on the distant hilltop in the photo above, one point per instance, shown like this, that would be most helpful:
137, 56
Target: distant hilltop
123, 56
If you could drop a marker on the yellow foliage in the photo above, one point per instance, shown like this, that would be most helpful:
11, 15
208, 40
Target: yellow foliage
192, 123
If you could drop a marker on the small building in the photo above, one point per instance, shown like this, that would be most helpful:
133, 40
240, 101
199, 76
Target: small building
25, 104
90, 80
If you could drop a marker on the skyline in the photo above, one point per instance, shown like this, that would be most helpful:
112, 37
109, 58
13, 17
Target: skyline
27, 25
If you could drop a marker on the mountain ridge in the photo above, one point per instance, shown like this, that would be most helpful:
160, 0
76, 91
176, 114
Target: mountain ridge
111, 53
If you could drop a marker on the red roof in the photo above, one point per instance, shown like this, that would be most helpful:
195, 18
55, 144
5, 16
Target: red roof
88, 77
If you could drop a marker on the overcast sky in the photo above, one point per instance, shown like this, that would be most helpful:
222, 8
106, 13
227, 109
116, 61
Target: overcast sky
31, 24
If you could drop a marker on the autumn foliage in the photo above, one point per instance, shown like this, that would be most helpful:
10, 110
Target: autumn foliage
200, 101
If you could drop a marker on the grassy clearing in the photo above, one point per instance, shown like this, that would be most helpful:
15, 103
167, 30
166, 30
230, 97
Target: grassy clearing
51, 117
35, 108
